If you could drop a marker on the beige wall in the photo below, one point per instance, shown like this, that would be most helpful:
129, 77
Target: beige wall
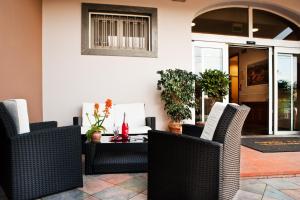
69, 78
21, 53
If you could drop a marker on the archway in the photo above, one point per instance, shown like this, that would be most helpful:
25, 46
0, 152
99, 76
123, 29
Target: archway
262, 29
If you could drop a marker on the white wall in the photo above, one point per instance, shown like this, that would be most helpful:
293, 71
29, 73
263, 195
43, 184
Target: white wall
69, 78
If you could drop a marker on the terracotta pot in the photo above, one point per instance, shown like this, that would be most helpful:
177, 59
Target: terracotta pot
96, 137
175, 127
201, 124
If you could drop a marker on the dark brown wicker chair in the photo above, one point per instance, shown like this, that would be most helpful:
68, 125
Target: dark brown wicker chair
45, 161
190, 168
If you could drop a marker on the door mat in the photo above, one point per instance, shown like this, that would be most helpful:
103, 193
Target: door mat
272, 144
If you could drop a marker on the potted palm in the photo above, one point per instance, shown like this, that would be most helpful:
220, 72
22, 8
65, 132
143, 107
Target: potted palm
95, 132
177, 92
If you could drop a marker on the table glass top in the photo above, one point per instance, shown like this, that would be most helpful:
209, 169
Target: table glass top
132, 139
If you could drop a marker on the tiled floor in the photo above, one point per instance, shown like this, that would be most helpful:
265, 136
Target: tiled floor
134, 187
270, 189
253, 163
257, 164
105, 187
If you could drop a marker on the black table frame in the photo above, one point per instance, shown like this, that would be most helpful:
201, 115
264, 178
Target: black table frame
116, 157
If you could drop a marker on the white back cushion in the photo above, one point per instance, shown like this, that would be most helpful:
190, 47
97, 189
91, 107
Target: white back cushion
212, 120
89, 108
17, 108
135, 117
135, 114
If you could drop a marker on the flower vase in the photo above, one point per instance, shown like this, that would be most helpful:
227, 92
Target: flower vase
96, 137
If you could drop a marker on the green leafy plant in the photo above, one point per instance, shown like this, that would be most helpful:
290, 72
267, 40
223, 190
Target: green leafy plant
214, 83
178, 87
284, 87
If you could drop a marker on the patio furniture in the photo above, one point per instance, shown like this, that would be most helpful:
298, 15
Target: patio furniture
116, 157
40, 162
135, 116
191, 168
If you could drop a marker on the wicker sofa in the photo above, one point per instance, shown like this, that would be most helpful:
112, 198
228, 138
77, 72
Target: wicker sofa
135, 116
44, 161
188, 167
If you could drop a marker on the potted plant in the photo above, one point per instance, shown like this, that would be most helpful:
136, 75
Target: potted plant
94, 133
215, 84
177, 92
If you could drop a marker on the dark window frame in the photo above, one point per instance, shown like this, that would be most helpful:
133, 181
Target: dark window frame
86, 8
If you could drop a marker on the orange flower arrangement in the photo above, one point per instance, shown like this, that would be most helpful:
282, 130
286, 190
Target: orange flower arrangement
99, 119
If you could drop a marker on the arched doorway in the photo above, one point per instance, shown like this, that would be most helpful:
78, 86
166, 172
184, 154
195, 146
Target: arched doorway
260, 50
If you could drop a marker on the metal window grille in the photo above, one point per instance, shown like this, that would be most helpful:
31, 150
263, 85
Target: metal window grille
119, 31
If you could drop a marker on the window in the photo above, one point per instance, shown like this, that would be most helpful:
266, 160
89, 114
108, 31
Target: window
119, 30
235, 21
269, 25
227, 21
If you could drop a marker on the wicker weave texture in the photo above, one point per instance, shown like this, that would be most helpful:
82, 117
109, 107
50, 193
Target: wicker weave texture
187, 167
116, 157
41, 162
43, 125
182, 167
228, 132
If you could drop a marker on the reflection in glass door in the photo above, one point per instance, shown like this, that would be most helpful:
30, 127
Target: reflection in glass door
287, 80
207, 55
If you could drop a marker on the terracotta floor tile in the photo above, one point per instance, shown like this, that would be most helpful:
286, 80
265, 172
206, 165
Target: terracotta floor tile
115, 178
93, 186
255, 163
145, 192
139, 197
71, 194
137, 184
91, 198
115, 193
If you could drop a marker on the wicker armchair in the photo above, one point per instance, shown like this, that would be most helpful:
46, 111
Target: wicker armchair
44, 161
190, 168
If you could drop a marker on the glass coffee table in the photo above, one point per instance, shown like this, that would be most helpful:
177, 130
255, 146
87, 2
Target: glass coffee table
110, 156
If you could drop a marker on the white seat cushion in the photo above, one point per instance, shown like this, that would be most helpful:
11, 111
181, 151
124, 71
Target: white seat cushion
132, 131
17, 108
212, 120
139, 130
135, 117
84, 129
135, 114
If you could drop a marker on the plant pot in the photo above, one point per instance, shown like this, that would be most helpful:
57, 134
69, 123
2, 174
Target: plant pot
175, 127
96, 137
200, 123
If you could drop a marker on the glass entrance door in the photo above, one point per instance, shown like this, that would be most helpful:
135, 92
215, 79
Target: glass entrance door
286, 87
208, 55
